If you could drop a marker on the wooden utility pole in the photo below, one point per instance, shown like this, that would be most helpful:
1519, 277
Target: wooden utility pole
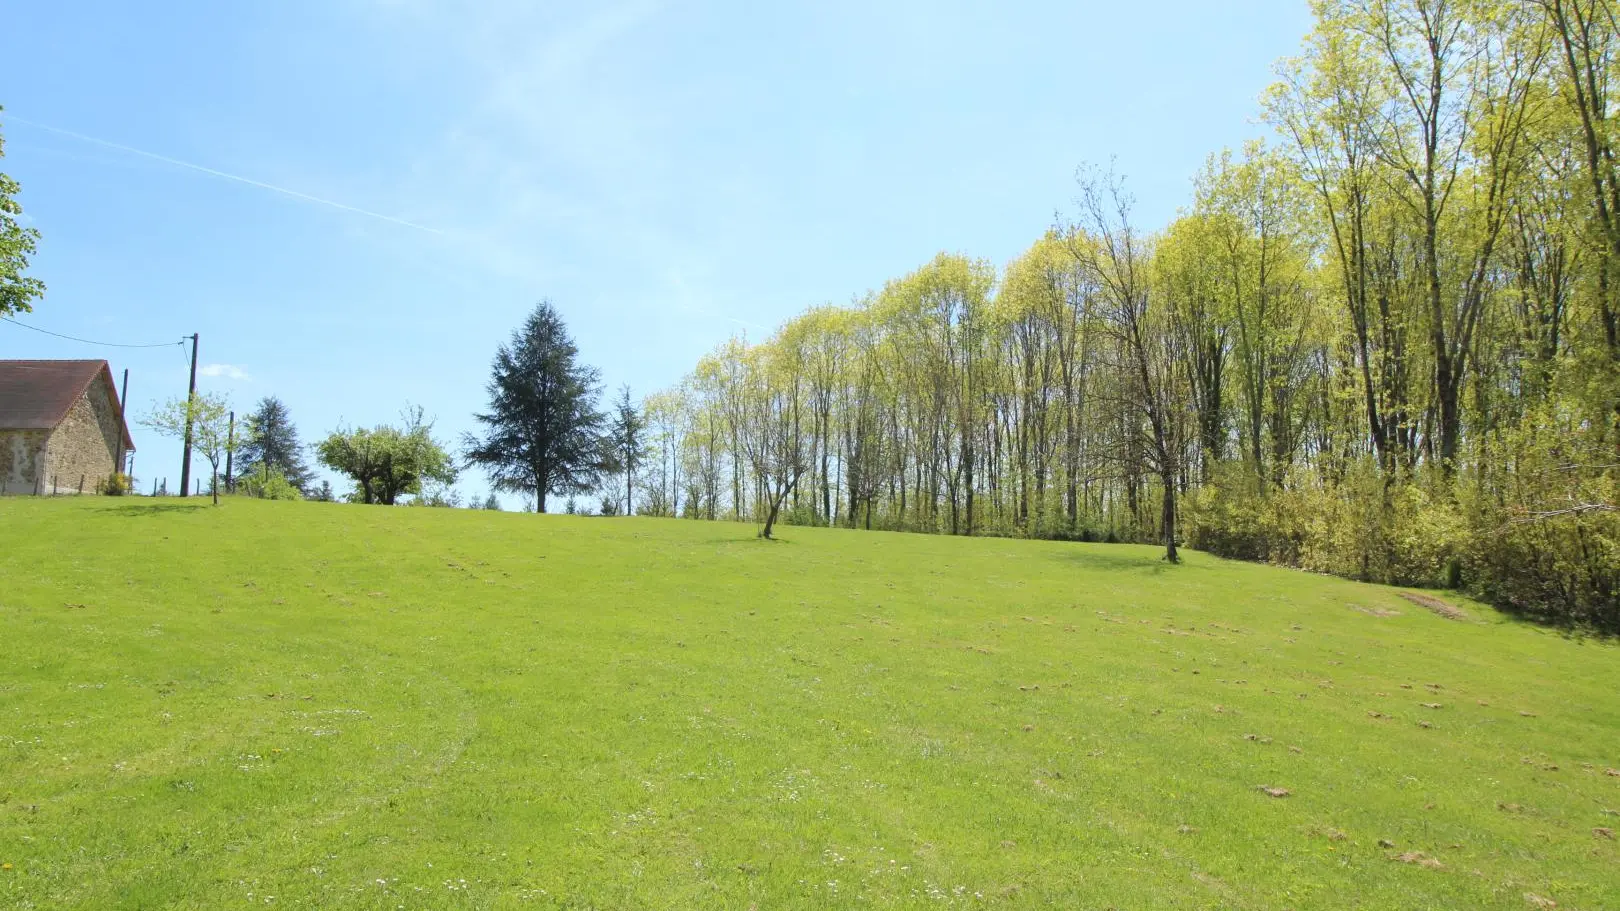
191, 396
230, 449
123, 422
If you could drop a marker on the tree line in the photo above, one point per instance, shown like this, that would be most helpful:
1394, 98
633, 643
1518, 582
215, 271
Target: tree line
1385, 344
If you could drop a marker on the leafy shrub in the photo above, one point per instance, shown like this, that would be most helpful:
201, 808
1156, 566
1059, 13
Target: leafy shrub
271, 485
1224, 518
1401, 531
116, 484
1544, 534
1428, 533
803, 514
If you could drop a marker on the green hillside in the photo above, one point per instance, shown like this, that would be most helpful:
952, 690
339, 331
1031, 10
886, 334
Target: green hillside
311, 705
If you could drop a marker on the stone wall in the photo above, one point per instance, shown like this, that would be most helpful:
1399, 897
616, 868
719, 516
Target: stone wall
84, 447
22, 455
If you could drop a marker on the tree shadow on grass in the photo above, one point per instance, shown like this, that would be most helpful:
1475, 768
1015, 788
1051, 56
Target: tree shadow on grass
1116, 558
738, 541
147, 510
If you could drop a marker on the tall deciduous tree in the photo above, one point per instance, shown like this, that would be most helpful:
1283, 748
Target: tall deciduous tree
17, 244
1587, 47
543, 432
1110, 248
1457, 80
208, 417
768, 410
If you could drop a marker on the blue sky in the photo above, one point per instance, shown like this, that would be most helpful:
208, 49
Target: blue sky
667, 173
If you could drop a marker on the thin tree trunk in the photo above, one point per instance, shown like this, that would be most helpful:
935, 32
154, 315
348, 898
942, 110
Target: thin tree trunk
1168, 518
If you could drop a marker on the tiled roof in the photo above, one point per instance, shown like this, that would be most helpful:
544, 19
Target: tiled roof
36, 395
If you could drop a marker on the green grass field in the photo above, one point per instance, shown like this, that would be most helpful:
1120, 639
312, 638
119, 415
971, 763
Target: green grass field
321, 706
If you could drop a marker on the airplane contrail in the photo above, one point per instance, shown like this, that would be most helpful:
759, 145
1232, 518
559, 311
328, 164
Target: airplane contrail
214, 173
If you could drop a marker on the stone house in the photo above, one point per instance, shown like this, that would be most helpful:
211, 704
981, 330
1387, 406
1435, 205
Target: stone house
62, 427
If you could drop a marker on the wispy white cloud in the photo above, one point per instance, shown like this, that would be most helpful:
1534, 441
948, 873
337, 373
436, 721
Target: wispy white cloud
548, 145
222, 174
563, 150
224, 371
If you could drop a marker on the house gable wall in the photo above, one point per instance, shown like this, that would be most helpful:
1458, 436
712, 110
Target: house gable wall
83, 449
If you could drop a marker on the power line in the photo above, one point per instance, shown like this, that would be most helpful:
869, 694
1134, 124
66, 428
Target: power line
72, 338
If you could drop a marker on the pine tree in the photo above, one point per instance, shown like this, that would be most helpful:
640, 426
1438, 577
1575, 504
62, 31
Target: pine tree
543, 433
627, 439
270, 442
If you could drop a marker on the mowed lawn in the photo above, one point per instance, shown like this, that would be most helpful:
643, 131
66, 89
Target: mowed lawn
328, 706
